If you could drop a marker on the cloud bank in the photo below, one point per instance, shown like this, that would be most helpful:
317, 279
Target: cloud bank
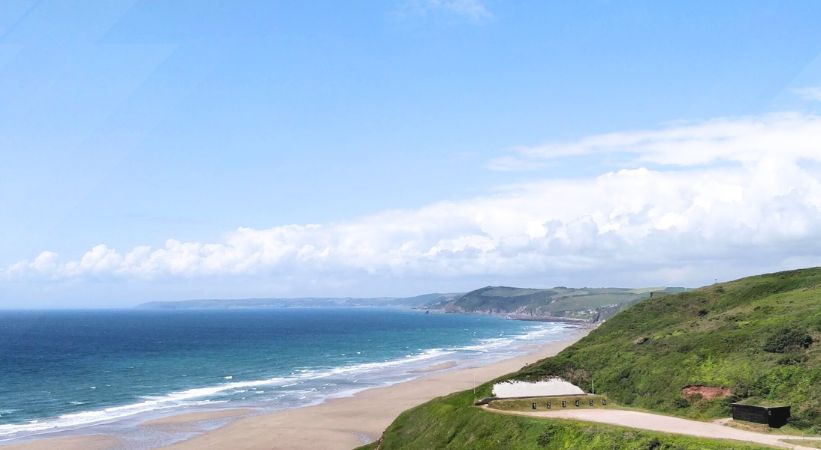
720, 194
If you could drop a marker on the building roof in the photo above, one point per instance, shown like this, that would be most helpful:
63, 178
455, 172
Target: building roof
553, 386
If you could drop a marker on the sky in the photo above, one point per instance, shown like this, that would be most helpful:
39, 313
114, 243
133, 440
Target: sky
162, 150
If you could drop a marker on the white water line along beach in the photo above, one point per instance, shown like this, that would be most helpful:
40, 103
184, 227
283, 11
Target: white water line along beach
112, 393
339, 423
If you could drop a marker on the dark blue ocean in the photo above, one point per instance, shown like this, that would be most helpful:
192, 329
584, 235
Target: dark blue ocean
64, 370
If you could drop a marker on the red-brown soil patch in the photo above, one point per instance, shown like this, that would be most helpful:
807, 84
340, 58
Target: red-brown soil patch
705, 392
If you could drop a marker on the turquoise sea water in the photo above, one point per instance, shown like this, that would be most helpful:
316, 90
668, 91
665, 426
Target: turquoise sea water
68, 370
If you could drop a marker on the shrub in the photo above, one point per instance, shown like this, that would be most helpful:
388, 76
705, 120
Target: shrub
681, 403
790, 359
546, 437
787, 339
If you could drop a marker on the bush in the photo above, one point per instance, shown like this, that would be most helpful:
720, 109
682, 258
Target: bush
787, 339
546, 437
681, 403
790, 359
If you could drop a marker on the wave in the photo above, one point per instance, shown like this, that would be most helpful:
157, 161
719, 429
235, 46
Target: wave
540, 332
209, 395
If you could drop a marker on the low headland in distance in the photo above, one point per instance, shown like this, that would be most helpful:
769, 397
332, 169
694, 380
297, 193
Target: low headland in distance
558, 304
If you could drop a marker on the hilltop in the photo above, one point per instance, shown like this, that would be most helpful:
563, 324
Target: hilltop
756, 340
559, 303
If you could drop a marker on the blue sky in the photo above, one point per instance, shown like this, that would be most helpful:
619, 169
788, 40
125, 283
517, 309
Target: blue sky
129, 124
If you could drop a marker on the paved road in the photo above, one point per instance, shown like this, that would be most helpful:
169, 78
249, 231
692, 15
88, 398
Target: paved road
666, 424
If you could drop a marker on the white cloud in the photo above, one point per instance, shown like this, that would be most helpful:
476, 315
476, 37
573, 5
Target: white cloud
812, 93
784, 136
768, 207
763, 210
473, 10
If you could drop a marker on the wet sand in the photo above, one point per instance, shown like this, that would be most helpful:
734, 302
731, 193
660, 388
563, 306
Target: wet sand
90, 442
341, 423
349, 422
189, 418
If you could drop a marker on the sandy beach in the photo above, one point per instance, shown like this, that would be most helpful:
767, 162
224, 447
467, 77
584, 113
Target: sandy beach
89, 442
341, 423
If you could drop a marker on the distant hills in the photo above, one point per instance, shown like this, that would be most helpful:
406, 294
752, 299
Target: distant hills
306, 302
559, 303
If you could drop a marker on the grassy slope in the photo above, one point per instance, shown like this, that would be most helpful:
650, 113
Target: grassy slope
582, 303
714, 336
453, 423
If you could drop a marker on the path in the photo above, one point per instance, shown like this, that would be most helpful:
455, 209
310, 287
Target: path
666, 424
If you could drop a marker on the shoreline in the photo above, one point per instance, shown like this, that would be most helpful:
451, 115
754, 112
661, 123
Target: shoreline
338, 423
584, 323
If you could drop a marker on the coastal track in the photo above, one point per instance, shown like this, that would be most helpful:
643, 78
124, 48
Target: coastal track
666, 424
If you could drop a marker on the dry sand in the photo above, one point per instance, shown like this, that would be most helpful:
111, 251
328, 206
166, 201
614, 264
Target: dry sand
342, 423
349, 422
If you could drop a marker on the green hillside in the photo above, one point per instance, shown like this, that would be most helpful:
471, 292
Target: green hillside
586, 304
453, 422
759, 337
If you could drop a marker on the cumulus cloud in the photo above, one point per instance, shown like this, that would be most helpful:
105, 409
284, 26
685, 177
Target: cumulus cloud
732, 192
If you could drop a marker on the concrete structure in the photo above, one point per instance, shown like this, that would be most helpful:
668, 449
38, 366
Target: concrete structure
551, 387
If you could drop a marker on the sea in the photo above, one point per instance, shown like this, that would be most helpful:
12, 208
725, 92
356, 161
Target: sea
65, 372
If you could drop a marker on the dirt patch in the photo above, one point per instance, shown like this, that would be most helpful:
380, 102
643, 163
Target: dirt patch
705, 392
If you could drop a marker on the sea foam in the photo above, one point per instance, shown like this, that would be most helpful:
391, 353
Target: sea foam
300, 378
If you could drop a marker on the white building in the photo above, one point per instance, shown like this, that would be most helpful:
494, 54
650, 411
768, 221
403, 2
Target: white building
553, 386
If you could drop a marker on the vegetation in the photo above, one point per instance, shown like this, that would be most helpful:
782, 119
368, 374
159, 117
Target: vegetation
803, 443
758, 337
453, 423
787, 339
588, 304
754, 336
526, 404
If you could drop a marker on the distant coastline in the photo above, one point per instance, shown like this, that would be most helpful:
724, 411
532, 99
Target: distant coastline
558, 304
